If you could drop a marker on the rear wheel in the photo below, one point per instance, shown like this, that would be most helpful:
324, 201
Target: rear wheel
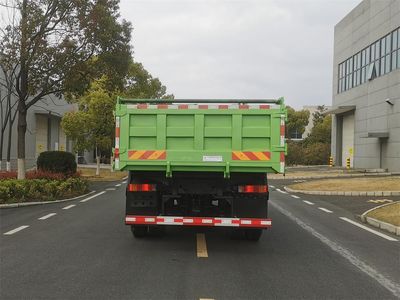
253, 234
139, 231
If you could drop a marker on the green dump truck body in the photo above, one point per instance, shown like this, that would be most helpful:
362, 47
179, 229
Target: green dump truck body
200, 135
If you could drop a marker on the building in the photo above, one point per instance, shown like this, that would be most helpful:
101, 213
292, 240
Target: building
43, 133
366, 87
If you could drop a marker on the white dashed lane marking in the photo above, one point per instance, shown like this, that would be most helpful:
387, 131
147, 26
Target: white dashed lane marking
69, 206
296, 197
16, 230
272, 186
110, 189
118, 184
325, 210
308, 202
389, 238
91, 197
280, 191
47, 216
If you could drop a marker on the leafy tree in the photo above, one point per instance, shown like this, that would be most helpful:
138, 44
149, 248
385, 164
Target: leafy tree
319, 114
141, 85
60, 47
92, 126
321, 132
297, 121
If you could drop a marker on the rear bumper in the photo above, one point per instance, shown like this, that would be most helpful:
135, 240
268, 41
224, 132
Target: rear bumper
198, 221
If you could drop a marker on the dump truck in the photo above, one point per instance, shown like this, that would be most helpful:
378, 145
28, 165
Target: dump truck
199, 162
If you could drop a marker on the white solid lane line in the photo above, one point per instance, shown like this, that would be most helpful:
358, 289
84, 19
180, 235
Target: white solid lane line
389, 238
308, 202
91, 197
69, 206
280, 191
47, 216
325, 210
16, 230
118, 184
296, 197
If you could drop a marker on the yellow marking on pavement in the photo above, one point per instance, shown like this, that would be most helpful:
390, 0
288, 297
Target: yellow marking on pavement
380, 201
201, 245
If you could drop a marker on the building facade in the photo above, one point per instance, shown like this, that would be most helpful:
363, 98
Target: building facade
44, 131
366, 87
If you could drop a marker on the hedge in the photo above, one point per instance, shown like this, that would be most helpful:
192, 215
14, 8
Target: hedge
12, 190
302, 153
57, 161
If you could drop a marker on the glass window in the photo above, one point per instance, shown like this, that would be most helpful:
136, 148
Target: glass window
387, 66
398, 58
394, 40
367, 56
377, 50
388, 44
372, 52
363, 71
377, 68
383, 46
382, 66
394, 60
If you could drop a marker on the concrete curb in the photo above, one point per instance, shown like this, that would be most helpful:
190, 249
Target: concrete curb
14, 205
380, 224
345, 193
334, 176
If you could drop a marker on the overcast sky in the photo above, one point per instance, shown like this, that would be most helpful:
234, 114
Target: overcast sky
239, 49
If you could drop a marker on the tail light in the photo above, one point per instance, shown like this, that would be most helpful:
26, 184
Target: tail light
141, 187
253, 189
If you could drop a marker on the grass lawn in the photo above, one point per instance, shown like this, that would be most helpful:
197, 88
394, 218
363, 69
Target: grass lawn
387, 183
389, 213
105, 174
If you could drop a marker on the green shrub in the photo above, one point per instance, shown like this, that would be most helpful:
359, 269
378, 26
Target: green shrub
304, 153
57, 162
13, 190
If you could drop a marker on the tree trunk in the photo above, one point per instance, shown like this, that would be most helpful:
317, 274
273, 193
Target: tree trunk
97, 162
10, 127
21, 141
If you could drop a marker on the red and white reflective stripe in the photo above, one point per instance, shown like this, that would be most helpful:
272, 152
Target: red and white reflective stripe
198, 221
201, 106
117, 135
282, 161
282, 130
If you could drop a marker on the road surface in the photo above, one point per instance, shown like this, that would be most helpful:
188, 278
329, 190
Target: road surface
82, 250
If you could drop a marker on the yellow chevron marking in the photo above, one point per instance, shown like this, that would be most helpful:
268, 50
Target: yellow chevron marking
241, 155
380, 201
137, 154
261, 156
156, 154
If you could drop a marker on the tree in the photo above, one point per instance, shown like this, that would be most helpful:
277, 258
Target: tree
140, 84
297, 121
55, 47
92, 126
319, 114
321, 132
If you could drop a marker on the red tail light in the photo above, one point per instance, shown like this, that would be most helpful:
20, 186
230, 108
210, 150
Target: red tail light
253, 189
141, 187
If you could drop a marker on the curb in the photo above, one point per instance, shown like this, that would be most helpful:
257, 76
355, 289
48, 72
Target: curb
333, 176
380, 224
14, 205
345, 193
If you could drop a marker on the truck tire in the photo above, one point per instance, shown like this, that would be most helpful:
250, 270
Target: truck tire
139, 231
253, 234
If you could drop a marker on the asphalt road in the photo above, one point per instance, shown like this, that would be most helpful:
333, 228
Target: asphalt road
86, 252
